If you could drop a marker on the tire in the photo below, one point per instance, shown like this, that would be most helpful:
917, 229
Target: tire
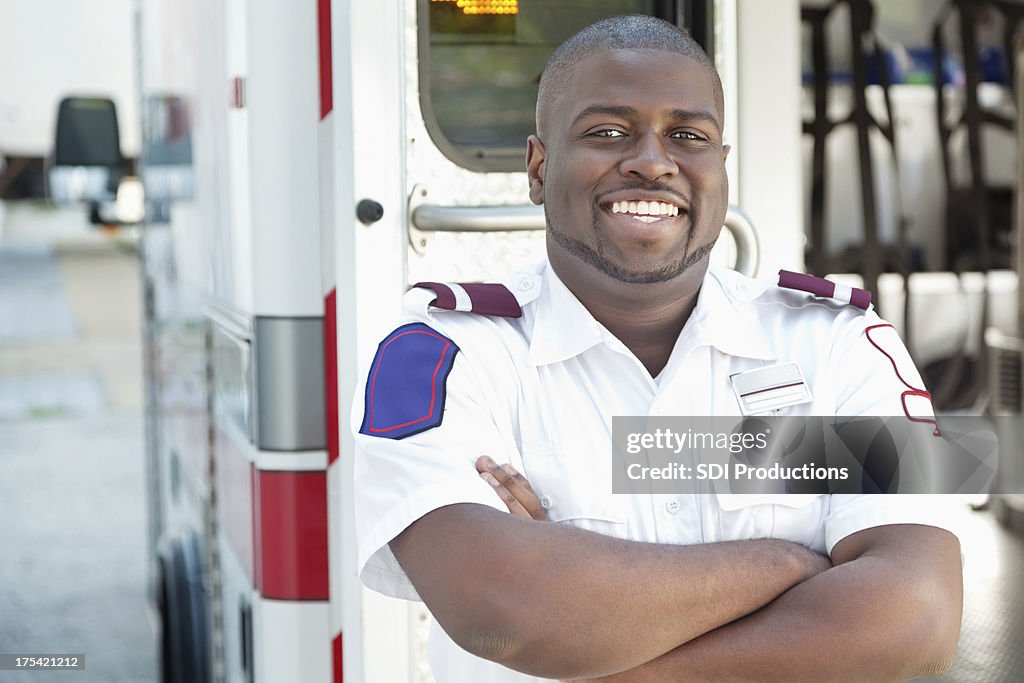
184, 632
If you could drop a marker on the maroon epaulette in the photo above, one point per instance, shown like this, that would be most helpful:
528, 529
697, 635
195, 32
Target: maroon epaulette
818, 286
474, 297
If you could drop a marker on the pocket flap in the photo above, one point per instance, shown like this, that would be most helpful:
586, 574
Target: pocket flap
736, 501
570, 490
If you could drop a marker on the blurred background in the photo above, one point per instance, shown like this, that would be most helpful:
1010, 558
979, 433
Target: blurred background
141, 257
73, 560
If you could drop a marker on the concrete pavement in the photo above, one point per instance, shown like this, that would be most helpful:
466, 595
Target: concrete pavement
72, 512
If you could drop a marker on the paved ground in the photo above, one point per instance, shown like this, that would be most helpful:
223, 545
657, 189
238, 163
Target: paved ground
72, 526
992, 637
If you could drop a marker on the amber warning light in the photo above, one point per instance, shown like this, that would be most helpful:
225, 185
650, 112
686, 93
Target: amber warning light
485, 6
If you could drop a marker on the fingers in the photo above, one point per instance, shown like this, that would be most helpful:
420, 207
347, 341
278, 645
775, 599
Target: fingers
512, 487
513, 505
520, 488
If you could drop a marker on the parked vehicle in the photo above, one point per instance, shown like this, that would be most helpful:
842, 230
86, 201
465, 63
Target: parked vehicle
49, 51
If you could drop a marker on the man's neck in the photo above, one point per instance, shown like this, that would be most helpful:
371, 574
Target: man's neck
647, 318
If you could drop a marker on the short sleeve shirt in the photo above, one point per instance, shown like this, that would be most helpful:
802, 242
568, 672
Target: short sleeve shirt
540, 392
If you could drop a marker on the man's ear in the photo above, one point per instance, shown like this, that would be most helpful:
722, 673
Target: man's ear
535, 158
725, 151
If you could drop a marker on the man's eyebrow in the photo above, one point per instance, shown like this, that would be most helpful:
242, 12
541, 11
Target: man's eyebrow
686, 115
620, 110
625, 111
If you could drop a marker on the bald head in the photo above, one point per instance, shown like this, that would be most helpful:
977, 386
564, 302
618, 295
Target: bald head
631, 32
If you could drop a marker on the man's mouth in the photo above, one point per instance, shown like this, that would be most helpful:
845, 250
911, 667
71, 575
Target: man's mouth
645, 211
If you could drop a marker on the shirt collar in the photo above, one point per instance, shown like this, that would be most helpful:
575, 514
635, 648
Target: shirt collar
563, 327
723, 317
726, 318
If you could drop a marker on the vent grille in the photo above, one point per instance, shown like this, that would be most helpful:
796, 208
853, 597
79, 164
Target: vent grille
1005, 377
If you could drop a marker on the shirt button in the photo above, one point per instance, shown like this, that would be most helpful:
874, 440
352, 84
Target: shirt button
525, 285
672, 507
545, 502
658, 411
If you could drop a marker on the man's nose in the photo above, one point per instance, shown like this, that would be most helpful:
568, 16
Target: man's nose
649, 158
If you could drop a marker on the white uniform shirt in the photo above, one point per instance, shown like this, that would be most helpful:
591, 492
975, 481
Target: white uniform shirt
540, 391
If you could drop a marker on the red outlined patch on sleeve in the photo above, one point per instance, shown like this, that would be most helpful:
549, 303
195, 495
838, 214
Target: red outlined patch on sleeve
405, 390
907, 398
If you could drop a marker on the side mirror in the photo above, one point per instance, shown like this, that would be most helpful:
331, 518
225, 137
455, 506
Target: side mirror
166, 151
87, 164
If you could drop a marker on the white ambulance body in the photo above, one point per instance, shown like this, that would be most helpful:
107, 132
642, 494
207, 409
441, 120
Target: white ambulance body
52, 49
299, 159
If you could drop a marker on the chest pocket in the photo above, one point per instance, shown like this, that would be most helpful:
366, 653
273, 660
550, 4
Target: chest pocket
576, 488
799, 518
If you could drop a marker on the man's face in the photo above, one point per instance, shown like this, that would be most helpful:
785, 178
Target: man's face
631, 169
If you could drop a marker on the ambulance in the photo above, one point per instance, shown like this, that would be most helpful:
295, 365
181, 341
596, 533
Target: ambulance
304, 162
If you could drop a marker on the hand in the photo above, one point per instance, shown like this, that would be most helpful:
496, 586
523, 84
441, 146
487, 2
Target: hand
513, 489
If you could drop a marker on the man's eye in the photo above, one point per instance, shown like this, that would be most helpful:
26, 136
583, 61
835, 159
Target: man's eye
607, 133
687, 135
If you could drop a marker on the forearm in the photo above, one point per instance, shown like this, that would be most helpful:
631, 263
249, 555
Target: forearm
558, 602
869, 619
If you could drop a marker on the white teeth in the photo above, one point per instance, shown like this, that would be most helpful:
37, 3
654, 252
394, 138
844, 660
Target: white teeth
644, 208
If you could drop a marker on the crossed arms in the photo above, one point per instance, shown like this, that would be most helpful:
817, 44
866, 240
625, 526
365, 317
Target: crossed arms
559, 602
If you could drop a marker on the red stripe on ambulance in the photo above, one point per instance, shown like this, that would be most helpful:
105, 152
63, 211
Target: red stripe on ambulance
336, 652
291, 537
331, 373
323, 19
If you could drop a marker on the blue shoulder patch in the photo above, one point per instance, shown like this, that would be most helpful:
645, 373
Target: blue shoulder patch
405, 390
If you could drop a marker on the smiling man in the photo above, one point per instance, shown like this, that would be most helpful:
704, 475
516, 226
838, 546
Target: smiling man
627, 318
